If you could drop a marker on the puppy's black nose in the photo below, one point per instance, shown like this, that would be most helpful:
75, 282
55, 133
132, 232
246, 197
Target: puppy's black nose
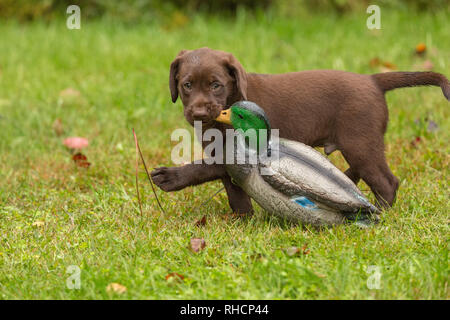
200, 114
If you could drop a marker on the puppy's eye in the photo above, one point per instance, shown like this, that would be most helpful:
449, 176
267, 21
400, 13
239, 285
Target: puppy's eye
215, 85
187, 85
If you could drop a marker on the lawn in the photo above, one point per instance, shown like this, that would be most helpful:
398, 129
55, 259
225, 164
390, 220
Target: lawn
107, 78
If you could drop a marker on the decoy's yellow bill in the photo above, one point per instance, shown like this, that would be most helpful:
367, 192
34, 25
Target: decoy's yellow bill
224, 117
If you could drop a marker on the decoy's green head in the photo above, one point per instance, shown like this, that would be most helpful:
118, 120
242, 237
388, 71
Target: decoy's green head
246, 115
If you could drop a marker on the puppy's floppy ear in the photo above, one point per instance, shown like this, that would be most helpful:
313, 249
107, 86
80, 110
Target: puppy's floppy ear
238, 73
173, 75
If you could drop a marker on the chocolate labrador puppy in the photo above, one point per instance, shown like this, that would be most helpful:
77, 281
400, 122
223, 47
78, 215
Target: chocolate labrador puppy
336, 110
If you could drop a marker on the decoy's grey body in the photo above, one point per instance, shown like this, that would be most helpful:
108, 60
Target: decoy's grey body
296, 182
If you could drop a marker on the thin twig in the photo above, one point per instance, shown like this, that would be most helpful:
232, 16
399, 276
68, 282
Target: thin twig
136, 166
210, 198
148, 175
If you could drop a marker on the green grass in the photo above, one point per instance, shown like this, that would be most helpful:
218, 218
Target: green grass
91, 217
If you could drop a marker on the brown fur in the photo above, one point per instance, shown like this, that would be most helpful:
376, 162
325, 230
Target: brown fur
322, 108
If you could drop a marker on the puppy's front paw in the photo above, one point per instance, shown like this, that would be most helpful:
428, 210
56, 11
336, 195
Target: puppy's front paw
168, 179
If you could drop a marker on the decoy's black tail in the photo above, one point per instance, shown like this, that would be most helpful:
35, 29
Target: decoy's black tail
363, 218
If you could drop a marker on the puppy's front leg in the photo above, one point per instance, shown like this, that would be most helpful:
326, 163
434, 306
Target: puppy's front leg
237, 198
177, 178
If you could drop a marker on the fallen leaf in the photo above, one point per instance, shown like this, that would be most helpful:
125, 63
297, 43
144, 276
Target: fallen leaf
58, 127
389, 65
201, 222
116, 288
416, 142
76, 142
292, 251
421, 48
81, 160
383, 66
197, 244
174, 276
38, 224
305, 249
375, 62
79, 157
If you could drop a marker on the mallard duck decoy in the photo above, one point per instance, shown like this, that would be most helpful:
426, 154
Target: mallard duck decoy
290, 179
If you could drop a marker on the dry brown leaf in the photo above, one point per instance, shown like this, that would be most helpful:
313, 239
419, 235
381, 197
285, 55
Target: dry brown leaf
197, 244
201, 222
305, 249
389, 65
81, 160
375, 62
175, 276
38, 224
415, 143
292, 251
383, 66
116, 288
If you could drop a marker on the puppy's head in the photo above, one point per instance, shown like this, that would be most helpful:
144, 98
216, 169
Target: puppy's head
206, 80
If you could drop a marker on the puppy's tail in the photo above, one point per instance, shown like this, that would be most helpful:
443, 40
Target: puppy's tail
392, 80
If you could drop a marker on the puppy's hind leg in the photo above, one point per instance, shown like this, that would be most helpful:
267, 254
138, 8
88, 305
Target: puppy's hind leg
353, 175
369, 163
329, 148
